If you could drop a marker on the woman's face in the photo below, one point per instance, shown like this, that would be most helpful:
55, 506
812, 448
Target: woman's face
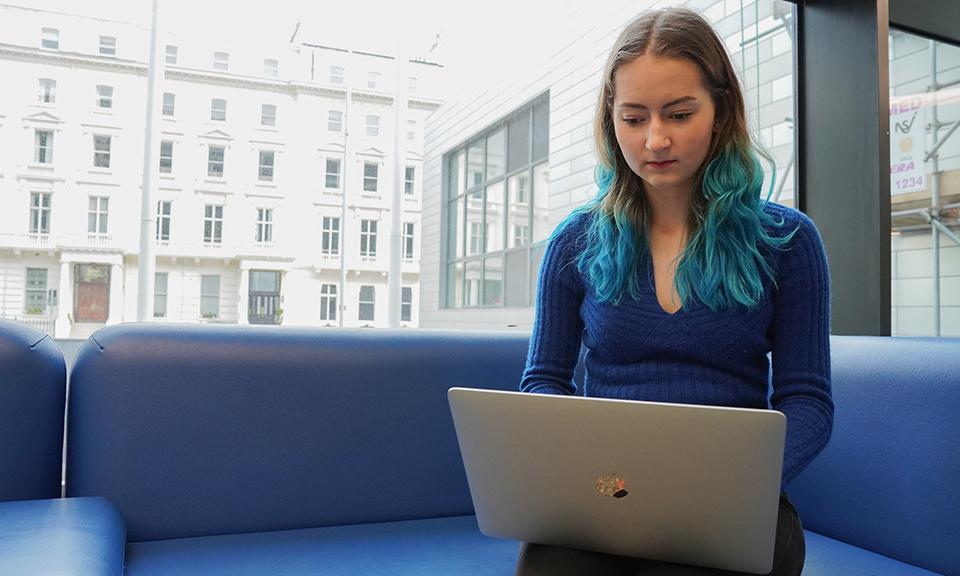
663, 117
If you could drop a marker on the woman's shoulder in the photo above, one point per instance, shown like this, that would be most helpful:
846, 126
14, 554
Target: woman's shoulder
571, 231
784, 221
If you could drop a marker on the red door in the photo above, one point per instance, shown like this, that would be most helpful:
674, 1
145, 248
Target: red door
91, 293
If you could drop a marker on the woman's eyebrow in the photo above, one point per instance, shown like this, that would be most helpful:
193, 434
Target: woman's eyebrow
673, 102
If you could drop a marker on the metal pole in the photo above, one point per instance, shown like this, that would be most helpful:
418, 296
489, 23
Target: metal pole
395, 279
145, 280
344, 170
935, 190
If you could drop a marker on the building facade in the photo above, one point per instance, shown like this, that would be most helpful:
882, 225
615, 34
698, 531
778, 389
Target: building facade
275, 188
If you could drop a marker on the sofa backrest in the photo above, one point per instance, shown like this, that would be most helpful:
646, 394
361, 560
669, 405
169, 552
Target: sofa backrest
889, 480
195, 430
33, 391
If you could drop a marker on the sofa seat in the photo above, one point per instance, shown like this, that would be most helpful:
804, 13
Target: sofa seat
824, 555
432, 546
62, 536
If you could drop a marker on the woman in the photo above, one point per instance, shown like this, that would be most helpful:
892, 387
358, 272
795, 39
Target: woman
677, 278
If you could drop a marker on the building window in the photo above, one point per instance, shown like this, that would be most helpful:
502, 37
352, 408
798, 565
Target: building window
209, 296
268, 115
160, 295
40, 212
373, 125
368, 302
101, 151
43, 147
97, 214
265, 225
332, 177
406, 303
221, 61
412, 85
411, 130
164, 211
171, 54
105, 96
215, 161
50, 38
336, 74
166, 156
496, 211
271, 68
330, 236
368, 238
408, 228
370, 170
266, 165
48, 91
169, 103
218, 109
408, 180
328, 301
108, 46
335, 121
35, 298
213, 224
373, 78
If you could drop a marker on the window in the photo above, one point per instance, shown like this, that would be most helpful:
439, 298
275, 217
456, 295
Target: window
411, 130
215, 161
35, 296
43, 147
266, 165
368, 238
328, 301
108, 46
367, 303
373, 78
213, 224
209, 296
171, 54
166, 156
50, 38
164, 210
271, 68
48, 91
496, 211
160, 295
412, 85
169, 104
332, 179
268, 115
40, 212
336, 74
335, 121
221, 61
265, 225
218, 109
101, 151
408, 228
97, 214
370, 170
373, 125
105, 96
406, 303
408, 180
330, 236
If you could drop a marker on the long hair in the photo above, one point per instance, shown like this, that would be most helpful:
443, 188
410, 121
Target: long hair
724, 259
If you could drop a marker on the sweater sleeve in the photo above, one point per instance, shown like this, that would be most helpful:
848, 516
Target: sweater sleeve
557, 328
801, 347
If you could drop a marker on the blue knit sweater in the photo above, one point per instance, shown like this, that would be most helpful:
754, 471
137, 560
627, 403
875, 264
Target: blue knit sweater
637, 351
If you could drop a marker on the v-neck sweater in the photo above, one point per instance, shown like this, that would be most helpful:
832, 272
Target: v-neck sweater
637, 351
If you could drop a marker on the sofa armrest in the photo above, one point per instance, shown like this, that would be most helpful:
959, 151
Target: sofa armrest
64, 536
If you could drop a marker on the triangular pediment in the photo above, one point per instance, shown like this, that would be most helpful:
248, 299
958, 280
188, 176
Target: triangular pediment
44, 117
372, 151
217, 135
335, 147
414, 156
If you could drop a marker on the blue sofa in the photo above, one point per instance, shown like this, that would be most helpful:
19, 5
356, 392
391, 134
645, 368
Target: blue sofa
312, 451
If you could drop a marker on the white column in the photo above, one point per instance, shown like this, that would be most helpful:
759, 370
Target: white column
243, 316
64, 301
115, 314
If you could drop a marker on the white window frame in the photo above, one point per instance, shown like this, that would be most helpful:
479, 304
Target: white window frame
164, 220
409, 234
271, 67
406, 304
160, 291
47, 91
43, 146
209, 295
169, 106
108, 46
264, 233
166, 156
212, 163
40, 210
409, 180
98, 210
371, 302
213, 224
336, 74
267, 165
332, 174
50, 38
268, 115
335, 121
371, 183
330, 235
39, 293
373, 79
218, 109
102, 144
171, 54
221, 61
328, 302
368, 238
373, 125
411, 130
104, 96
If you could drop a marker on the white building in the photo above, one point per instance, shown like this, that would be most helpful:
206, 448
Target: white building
256, 152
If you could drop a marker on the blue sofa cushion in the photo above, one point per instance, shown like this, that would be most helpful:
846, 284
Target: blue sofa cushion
829, 557
62, 536
428, 547
33, 391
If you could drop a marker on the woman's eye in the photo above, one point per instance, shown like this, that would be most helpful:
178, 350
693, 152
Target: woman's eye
682, 115
632, 121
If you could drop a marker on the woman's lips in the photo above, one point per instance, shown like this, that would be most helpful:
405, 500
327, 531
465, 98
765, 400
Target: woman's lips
663, 164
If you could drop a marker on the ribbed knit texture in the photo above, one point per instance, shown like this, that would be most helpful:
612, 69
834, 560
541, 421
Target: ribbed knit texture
637, 351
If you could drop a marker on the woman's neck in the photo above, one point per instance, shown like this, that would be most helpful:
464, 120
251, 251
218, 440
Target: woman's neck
669, 212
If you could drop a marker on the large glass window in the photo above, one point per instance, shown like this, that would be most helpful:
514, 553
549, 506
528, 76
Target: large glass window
160, 294
101, 151
265, 171
264, 232
492, 210
35, 296
43, 147
367, 307
97, 212
169, 104
105, 96
406, 303
328, 301
215, 161
330, 236
48, 91
368, 238
370, 176
166, 156
213, 224
218, 109
40, 212
210, 296
332, 176
164, 211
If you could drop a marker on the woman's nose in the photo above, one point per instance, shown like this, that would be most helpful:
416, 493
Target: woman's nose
657, 138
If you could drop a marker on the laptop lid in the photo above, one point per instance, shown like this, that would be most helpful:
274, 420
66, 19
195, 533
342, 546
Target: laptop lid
681, 483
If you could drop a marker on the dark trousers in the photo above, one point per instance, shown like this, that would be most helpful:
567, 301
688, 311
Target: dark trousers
537, 559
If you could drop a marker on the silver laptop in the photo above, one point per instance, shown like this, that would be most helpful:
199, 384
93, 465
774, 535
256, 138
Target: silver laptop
689, 484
